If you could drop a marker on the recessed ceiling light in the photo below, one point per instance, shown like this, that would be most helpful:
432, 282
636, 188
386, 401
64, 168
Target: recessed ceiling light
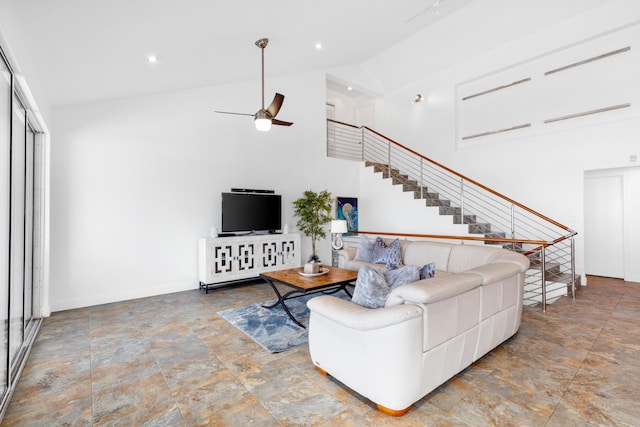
152, 59
318, 46
349, 88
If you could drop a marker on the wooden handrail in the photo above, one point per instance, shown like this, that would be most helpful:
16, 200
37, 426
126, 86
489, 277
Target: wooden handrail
540, 243
484, 187
449, 237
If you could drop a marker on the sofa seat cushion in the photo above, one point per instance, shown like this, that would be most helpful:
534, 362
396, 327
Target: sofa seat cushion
432, 290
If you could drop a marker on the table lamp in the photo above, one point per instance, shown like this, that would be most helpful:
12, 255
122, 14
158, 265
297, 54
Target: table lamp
338, 227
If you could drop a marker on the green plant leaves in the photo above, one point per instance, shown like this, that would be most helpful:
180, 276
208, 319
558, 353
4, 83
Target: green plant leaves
313, 211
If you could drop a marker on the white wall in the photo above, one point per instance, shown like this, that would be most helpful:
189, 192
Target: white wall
543, 170
135, 182
16, 47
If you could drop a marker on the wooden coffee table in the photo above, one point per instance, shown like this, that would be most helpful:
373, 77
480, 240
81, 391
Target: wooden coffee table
335, 280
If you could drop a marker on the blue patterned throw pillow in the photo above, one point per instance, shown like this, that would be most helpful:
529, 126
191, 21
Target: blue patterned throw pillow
428, 271
402, 276
387, 254
365, 249
371, 288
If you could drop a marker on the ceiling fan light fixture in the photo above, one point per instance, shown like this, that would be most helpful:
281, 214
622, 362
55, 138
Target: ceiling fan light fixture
262, 121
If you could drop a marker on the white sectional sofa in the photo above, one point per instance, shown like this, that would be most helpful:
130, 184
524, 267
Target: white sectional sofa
428, 330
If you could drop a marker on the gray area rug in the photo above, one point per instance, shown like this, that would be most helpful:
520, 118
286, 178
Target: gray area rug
271, 327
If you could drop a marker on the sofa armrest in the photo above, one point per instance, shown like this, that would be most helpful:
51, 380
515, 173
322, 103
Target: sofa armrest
496, 271
345, 255
432, 290
360, 318
514, 258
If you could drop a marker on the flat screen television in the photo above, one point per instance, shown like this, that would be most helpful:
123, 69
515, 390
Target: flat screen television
251, 212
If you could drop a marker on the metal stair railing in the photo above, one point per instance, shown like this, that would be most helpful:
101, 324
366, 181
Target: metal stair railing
501, 220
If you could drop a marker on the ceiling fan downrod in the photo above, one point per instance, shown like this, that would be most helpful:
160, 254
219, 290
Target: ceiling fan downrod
262, 43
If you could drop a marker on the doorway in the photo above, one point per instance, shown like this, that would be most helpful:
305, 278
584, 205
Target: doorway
604, 224
611, 237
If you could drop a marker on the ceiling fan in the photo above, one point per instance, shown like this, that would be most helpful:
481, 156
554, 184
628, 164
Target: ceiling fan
264, 118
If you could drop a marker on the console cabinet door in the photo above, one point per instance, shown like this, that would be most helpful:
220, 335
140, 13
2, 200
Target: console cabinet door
290, 252
245, 257
280, 253
232, 258
220, 259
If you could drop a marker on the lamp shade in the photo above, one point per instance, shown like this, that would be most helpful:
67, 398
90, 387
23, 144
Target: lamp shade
339, 226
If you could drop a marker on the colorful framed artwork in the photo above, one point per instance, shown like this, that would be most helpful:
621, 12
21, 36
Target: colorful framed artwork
347, 209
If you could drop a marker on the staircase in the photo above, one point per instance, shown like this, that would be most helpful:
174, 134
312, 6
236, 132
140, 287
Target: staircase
433, 198
494, 218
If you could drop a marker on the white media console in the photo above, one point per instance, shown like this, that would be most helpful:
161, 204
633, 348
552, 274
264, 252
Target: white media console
224, 260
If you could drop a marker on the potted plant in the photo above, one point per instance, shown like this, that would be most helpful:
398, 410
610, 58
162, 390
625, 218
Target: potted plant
314, 211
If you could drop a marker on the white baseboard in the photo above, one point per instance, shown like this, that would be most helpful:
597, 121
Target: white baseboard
106, 298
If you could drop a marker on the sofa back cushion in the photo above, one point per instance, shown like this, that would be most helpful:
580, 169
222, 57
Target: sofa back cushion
422, 252
466, 257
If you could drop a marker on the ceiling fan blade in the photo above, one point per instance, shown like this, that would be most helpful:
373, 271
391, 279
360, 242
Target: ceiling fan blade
280, 122
237, 114
275, 105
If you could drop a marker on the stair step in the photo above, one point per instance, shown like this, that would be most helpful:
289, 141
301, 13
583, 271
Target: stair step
554, 274
408, 185
480, 228
516, 247
423, 193
468, 219
449, 210
496, 235
443, 203
550, 267
554, 281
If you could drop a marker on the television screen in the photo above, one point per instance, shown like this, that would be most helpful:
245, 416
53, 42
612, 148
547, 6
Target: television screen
243, 212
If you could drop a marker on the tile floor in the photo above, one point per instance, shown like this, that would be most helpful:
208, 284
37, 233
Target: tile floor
172, 361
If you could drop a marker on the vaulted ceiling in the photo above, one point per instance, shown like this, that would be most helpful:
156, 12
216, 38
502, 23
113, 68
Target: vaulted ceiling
80, 51
90, 50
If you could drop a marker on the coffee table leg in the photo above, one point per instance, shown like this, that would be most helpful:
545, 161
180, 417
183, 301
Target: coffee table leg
281, 301
346, 291
341, 288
